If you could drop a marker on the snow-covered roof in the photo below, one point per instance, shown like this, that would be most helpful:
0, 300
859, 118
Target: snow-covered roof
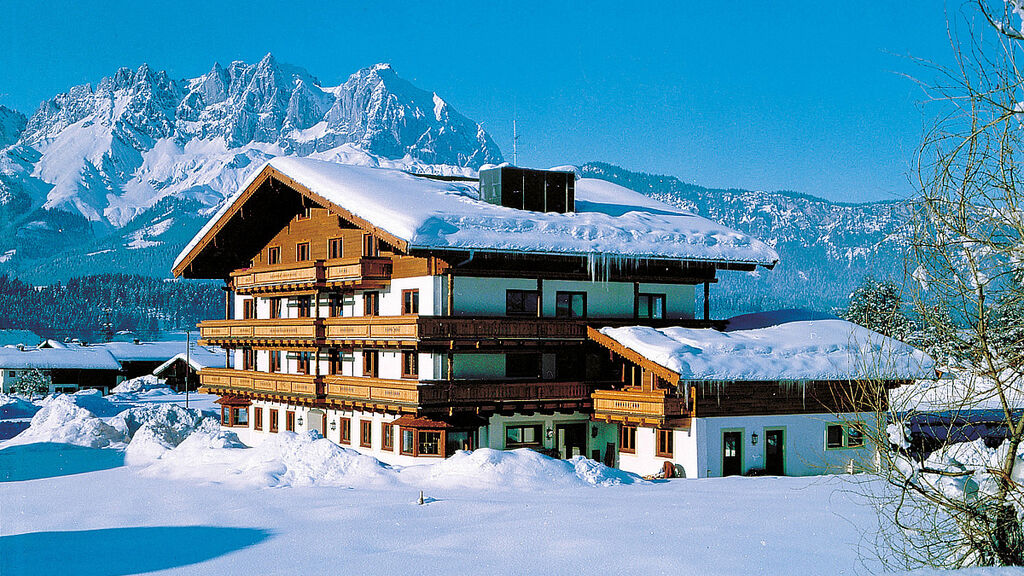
610, 221
86, 358
142, 351
13, 337
820, 348
198, 358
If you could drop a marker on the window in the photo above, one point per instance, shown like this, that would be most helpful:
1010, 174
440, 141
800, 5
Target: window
410, 364
275, 307
844, 435
369, 245
274, 255
248, 359
302, 362
289, 420
275, 361
571, 304
334, 305
257, 418
410, 301
303, 305
248, 309
306, 213
273, 420
522, 365
11, 373
371, 303
334, 362
408, 441
520, 436
627, 439
387, 436
422, 442
365, 433
345, 432
302, 252
370, 363
650, 306
522, 302
663, 446
335, 248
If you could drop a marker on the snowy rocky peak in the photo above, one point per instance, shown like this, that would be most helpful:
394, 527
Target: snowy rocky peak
12, 123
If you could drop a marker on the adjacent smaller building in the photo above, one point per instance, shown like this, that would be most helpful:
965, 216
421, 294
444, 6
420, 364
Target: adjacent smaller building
782, 393
184, 367
70, 368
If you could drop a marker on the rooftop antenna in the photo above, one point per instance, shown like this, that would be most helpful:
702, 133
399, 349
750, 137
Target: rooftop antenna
515, 136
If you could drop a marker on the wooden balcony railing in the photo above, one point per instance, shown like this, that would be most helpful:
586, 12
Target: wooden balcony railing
500, 328
639, 405
373, 390
367, 328
312, 274
219, 380
455, 393
270, 330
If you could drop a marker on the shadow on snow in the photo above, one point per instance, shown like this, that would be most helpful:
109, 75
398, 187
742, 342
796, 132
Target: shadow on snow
48, 459
118, 551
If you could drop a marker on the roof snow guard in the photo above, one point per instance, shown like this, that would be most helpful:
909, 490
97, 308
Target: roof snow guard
414, 213
756, 349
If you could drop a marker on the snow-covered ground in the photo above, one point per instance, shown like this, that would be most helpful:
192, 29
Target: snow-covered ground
132, 483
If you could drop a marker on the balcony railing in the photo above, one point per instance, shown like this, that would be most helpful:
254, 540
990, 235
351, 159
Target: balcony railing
373, 390
312, 274
219, 380
269, 330
454, 393
638, 405
367, 328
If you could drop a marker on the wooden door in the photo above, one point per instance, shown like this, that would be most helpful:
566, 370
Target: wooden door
775, 452
732, 453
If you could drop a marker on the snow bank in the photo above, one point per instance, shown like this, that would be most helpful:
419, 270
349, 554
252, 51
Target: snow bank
62, 420
140, 384
91, 400
521, 469
156, 428
12, 407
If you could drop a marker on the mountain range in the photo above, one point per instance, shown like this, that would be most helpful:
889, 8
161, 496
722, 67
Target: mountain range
117, 177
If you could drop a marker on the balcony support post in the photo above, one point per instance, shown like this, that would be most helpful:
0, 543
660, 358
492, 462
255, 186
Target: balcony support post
707, 301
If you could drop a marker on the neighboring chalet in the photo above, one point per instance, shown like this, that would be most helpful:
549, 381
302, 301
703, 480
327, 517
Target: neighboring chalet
780, 393
15, 337
408, 316
184, 367
69, 369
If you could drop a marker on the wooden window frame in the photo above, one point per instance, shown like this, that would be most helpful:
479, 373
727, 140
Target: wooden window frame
570, 294
275, 307
274, 420
273, 255
371, 248
306, 214
539, 434
387, 436
248, 359
664, 438
846, 438
510, 294
345, 430
410, 364
651, 297
274, 361
248, 309
336, 248
304, 362
257, 418
417, 442
366, 433
371, 368
411, 301
289, 420
371, 303
302, 253
627, 439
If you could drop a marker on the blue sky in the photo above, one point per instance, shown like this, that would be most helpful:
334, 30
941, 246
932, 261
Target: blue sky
795, 95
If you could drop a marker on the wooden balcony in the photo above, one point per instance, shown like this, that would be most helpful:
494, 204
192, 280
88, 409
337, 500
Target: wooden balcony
496, 328
266, 332
378, 393
312, 275
640, 407
227, 380
373, 330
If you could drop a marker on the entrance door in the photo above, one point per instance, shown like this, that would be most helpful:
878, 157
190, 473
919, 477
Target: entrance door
775, 452
572, 439
732, 453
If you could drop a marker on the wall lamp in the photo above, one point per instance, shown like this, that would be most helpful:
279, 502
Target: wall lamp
753, 438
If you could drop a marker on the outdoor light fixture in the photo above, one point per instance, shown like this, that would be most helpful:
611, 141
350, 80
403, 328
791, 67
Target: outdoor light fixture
549, 433
299, 421
334, 425
753, 438
593, 432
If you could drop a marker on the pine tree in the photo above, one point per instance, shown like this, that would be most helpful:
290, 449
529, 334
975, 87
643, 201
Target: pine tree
879, 306
32, 383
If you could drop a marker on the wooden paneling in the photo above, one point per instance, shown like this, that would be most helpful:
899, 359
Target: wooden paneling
221, 380
763, 398
362, 328
638, 406
411, 266
271, 330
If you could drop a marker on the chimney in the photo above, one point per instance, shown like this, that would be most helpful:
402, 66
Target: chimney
527, 189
